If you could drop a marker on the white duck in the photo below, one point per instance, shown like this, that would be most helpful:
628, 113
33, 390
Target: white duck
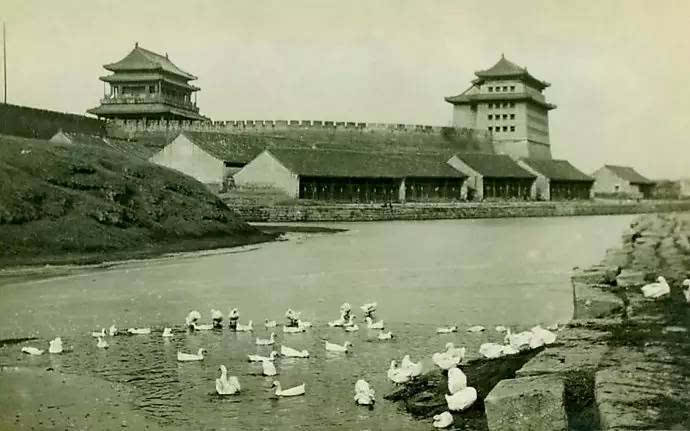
373, 325
100, 333
245, 328
491, 350
139, 331
450, 358
217, 318
352, 328
289, 352
385, 335
55, 346
337, 347
292, 392
336, 323
457, 380
364, 395
167, 332
443, 420
501, 328
656, 290
397, 375
293, 330
112, 331
350, 321
686, 291
270, 323
303, 324
518, 341
259, 358
202, 326
476, 328
186, 357
266, 342
191, 319
547, 336
446, 330
268, 369
462, 399
369, 308
32, 351
102, 344
414, 369
227, 385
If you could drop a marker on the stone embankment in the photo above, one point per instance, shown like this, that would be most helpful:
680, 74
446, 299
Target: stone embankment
464, 210
623, 362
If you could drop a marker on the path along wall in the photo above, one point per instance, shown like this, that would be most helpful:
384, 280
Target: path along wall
43, 124
352, 212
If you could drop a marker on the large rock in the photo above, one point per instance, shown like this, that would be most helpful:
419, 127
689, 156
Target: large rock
527, 403
592, 302
630, 278
582, 357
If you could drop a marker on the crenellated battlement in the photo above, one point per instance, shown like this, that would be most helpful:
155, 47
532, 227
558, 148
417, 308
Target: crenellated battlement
248, 126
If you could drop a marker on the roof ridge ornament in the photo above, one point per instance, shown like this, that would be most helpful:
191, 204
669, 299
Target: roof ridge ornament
136, 44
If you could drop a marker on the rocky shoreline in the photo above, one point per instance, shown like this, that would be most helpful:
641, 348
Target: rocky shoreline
622, 363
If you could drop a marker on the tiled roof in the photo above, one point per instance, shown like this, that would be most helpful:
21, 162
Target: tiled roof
494, 165
232, 148
558, 170
144, 77
353, 164
467, 98
143, 59
132, 148
629, 174
505, 68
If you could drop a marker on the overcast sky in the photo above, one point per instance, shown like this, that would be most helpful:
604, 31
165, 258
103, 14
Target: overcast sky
619, 69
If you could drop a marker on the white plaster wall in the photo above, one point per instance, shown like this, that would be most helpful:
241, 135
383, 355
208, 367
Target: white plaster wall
184, 156
606, 181
540, 187
474, 181
266, 170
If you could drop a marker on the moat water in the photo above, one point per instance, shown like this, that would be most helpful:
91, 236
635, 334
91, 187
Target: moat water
512, 272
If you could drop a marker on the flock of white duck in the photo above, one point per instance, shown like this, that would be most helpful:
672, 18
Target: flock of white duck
460, 397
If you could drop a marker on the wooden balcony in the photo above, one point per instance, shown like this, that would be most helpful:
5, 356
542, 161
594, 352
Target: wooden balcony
149, 98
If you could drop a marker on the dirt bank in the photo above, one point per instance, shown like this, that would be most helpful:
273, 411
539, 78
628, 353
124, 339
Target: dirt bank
81, 203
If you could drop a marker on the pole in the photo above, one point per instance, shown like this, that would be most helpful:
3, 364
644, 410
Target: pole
4, 60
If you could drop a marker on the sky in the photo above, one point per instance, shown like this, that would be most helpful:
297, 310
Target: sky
619, 69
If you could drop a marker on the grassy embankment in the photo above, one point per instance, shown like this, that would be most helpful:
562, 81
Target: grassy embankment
81, 204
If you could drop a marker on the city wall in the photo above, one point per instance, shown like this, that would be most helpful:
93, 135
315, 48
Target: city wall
468, 210
43, 124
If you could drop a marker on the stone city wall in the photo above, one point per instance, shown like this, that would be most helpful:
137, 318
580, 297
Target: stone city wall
377, 212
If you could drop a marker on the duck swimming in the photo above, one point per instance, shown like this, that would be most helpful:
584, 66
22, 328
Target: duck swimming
102, 344
186, 357
268, 369
373, 325
245, 328
292, 392
446, 330
337, 347
259, 358
364, 395
139, 331
55, 345
266, 342
32, 351
656, 290
167, 332
385, 335
227, 385
289, 352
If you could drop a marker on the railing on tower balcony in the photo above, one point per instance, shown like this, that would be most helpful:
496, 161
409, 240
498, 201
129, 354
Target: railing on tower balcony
149, 98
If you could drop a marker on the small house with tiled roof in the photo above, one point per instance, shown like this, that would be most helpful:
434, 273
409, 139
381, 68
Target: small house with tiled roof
507, 101
558, 180
493, 176
351, 176
621, 180
145, 85
212, 158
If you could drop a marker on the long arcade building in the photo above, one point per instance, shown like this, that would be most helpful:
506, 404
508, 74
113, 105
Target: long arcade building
349, 176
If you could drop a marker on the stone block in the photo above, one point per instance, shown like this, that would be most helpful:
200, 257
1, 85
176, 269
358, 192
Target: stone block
581, 357
592, 303
594, 275
630, 278
527, 403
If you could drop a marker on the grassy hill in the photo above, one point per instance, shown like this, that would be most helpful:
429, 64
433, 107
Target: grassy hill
78, 203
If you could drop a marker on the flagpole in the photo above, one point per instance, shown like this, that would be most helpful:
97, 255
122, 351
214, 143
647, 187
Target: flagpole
4, 60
